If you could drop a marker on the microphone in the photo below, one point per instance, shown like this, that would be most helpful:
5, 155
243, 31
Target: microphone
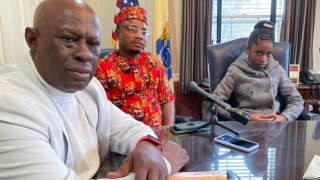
237, 114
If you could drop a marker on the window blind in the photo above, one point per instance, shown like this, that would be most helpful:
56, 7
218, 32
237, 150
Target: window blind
237, 17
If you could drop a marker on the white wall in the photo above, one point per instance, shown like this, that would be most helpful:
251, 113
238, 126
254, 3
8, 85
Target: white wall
15, 15
316, 39
1, 46
175, 11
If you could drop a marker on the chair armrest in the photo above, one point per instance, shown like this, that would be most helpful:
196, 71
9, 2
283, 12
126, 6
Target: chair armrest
307, 115
315, 103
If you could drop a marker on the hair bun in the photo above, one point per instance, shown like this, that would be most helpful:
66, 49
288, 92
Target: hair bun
264, 24
263, 30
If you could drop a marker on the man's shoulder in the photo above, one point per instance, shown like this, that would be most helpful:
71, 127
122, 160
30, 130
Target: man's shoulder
151, 59
8, 68
11, 77
109, 57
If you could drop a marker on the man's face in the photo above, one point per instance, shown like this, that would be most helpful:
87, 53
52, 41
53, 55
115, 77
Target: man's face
67, 50
260, 54
132, 36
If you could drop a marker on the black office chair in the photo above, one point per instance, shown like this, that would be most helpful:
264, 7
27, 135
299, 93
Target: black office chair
220, 56
104, 52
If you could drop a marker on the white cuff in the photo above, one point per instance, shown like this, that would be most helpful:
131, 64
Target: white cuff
168, 165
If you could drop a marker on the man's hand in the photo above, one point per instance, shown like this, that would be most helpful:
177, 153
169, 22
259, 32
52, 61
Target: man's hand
176, 156
266, 117
146, 161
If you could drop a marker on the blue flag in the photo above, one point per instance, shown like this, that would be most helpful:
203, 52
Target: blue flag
163, 51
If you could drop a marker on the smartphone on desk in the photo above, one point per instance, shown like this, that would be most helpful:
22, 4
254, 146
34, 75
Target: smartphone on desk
187, 127
237, 143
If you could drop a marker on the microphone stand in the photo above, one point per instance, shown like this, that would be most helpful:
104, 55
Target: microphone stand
213, 120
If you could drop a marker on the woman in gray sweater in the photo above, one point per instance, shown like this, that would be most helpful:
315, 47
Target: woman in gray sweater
259, 82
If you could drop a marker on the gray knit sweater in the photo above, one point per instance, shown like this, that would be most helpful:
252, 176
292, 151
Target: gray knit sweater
259, 91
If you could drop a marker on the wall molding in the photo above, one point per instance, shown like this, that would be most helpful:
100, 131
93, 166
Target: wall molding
175, 77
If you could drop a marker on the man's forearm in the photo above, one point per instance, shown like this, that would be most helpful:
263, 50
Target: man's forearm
168, 113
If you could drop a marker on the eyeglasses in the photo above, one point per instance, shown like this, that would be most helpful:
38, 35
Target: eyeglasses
135, 30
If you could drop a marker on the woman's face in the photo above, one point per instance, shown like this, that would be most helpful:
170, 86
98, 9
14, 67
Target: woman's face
260, 54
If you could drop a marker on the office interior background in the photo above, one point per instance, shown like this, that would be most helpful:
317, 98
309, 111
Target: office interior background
18, 14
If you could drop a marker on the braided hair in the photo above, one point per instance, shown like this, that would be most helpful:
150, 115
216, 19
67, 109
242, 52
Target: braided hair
263, 30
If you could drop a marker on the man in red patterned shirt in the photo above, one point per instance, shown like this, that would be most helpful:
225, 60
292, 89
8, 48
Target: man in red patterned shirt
135, 81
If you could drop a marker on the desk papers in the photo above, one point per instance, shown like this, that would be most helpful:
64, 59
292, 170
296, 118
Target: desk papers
313, 170
131, 176
204, 175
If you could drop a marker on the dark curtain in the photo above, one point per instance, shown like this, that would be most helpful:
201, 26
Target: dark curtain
195, 37
297, 29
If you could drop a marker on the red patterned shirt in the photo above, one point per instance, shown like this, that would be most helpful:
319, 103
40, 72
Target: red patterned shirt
138, 86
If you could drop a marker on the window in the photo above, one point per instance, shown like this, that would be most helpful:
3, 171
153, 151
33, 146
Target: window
237, 17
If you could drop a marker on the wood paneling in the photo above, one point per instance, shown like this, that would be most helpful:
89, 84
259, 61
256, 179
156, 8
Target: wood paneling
189, 104
307, 92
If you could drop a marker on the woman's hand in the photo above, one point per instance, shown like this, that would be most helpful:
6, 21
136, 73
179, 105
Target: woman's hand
266, 117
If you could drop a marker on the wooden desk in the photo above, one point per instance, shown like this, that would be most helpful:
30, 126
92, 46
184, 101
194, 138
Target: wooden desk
311, 97
307, 92
286, 150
